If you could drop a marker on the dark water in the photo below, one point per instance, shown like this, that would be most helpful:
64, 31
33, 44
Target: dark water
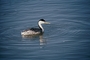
66, 38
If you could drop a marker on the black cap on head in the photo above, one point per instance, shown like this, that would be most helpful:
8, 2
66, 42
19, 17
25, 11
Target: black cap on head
41, 20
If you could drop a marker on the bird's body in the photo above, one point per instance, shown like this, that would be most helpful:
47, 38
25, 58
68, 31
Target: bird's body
31, 31
35, 31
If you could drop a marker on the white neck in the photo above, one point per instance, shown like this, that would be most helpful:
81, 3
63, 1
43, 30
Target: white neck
39, 23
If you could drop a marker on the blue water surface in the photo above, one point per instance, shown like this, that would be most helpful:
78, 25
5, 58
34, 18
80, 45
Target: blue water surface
66, 38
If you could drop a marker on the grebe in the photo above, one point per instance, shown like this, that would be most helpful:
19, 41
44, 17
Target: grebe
35, 31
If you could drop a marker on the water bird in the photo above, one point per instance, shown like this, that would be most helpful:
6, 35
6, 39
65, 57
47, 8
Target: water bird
35, 31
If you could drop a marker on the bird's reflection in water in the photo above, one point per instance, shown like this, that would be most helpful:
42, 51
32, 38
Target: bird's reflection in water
41, 39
